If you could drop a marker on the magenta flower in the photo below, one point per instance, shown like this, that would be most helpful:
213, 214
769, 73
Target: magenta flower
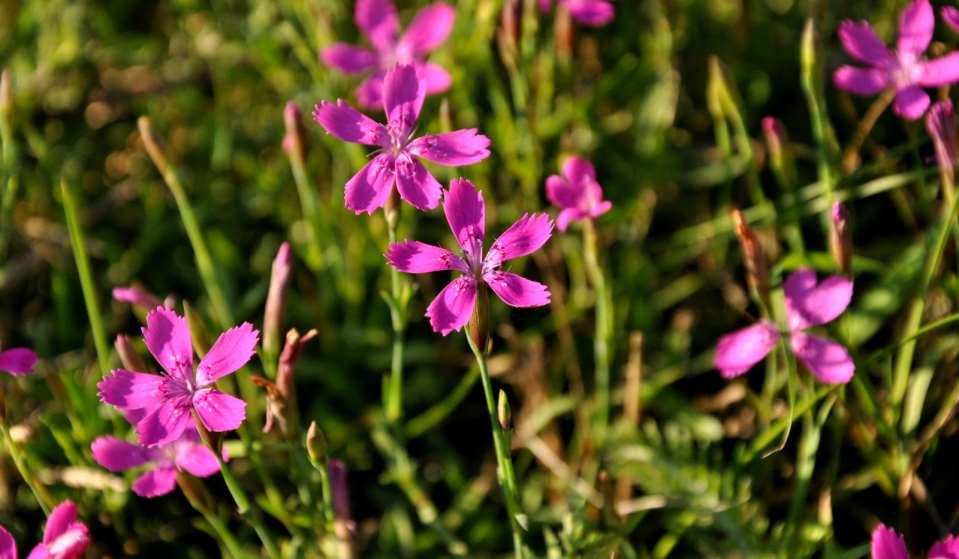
887, 544
136, 297
161, 406
378, 21
906, 69
808, 304
465, 213
186, 453
397, 159
591, 13
64, 537
576, 193
950, 15
17, 361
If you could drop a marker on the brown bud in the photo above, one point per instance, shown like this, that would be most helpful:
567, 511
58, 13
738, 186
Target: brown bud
391, 210
757, 267
563, 32
478, 326
840, 237
128, 356
508, 33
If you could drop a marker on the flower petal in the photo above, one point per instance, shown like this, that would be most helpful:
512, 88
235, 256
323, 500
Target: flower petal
916, 24
465, 212
416, 185
517, 291
167, 336
562, 193
946, 548
370, 93
128, 390
233, 349
17, 361
165, 424
591, 13
348, 58
940, 71
453, 307
219, 411
342, 121
436, 78
118, 455
61, 519
738, 351
403, 95
910, 103
950, 16
8, 546
861, 81
136, 297
827, 360
156, 482
459, 147
525, 236
369, 189
578, 170
887, 544
809, 304
861, 42
378, 20
429, 29
568, 216
196, 458
414, 257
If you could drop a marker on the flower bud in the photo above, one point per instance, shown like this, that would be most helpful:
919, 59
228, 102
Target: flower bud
777, 149
942, 129
508, 33
6, 96
136, 297
128, 356
757, 267
276, 300
391, 210
503, 412
478, 327
840, 237
316, 445
343, 524
294, 142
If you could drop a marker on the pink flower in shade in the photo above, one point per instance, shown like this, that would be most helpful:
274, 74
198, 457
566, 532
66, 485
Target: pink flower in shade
465, 213
397, 160
887, 544
64, 537
576, 193
950, 15
160, 405
591, 13
905, 69
808, 304
17, 361
378, 21
187, 453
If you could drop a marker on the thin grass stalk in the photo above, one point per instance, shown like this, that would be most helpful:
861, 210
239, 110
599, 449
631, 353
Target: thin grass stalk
40, 493
809, 74
604, 323
309, 207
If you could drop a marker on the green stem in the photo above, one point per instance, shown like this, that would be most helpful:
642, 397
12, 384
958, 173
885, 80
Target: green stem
394, 390
309, 207
604, 323
809, 80
197, 496
40, 493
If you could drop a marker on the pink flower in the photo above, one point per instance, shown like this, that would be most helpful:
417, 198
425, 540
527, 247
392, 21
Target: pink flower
808, 304
906, 69
950, 15
187, 453
64, 537
941, 127
17, 361
887, 544
378, 21
136, 297
397, 159
465, 213
161, 406
591, 13
576, 193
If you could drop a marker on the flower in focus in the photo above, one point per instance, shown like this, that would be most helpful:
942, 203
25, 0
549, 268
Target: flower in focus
161, 406
465, 213
17, 361
905, 69
887, 544
64, 537
591, 13
187, 453
378, 21
576, 193
397, 159
808, 304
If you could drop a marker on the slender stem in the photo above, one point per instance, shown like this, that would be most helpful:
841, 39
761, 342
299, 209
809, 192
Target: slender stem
308, 205
40, 493
604, 321
321, 465
809, 80
198, 498
398, 294
504, 461
850, 157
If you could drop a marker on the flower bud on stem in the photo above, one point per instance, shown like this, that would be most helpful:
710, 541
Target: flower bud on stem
757, 266
478, 326
276, 302
840, 238
128, 356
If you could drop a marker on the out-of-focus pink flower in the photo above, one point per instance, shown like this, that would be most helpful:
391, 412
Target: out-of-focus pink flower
161, 406
576, 193
905, 69
808, 304
136, 296
942, 129
591, 13
187, 453
64, 537
950, 15
887, 544
17, 361
398, 159
378, 20
466, 214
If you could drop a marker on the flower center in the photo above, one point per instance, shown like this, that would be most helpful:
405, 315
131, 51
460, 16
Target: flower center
909, 71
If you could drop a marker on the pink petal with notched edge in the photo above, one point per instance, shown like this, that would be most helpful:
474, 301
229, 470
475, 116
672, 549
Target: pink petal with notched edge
196, 458
465, 212
378, 21
8, 546
578, 171
64, 536
809, 303
416, 185
827, 360
403, 95
128, 390
738, 351
591, 13
17, 361
452, 308
887, 544
156, 482
459, 147
414, 257
568, 216
233, 349
526, 236
429, 29
436, 78
561, 193
940, 71
861, 42
342, 121
348, 58
118, 455
916, 24
861, 81
950, 15
517, 291
219, 411
167, 336
946, 548
369, 188
910, 103
370, 93
166, 423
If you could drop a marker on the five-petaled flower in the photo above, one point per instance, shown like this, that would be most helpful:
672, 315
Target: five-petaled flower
808, 304
465, 213
161, 406
64, 537
186, 453
887, 544
576, 193
397, 159
591, 13
906, 69
378, 21
17, 361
